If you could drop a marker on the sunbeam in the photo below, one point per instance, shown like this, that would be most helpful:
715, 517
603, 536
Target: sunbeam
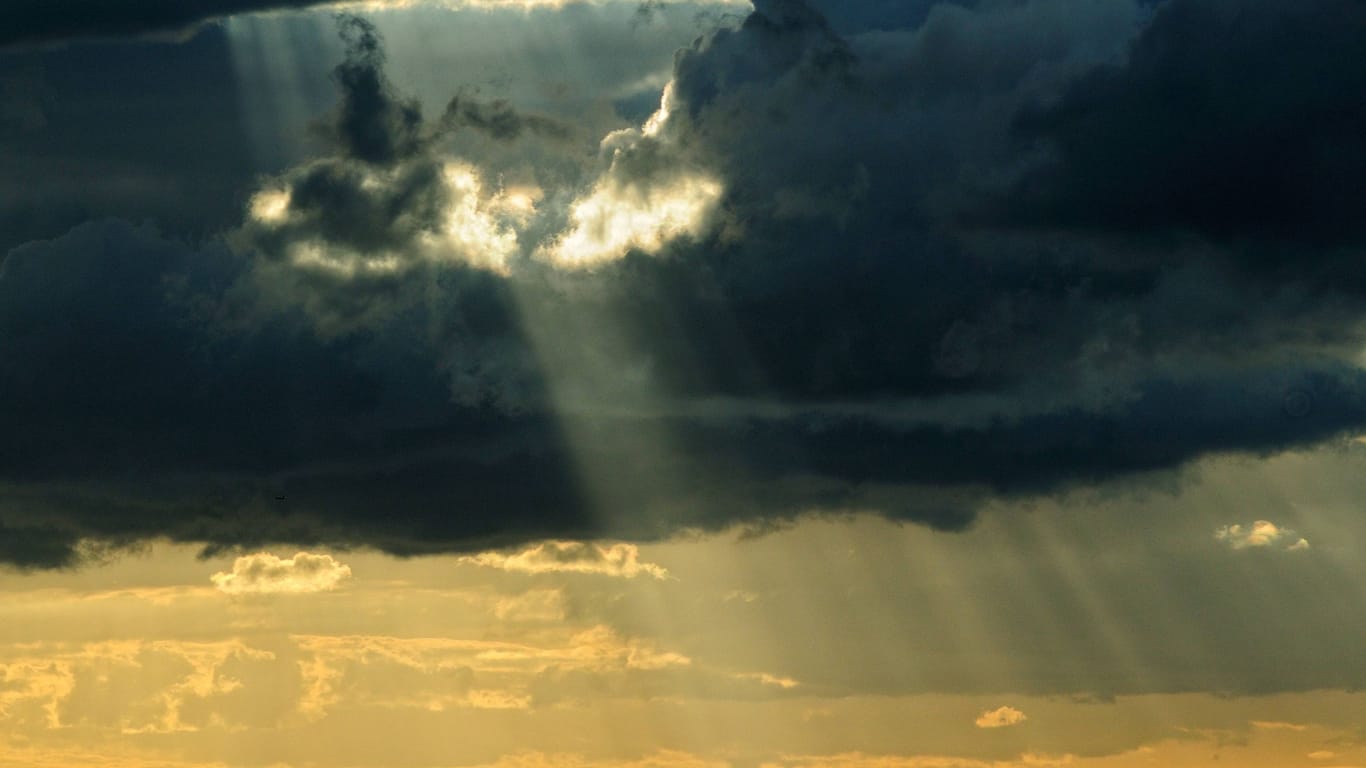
682, 384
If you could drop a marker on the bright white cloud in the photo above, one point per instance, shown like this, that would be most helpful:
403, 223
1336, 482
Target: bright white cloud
1000, 718
479, 226
631, 208
1261, 535
264, 573
270, 206
618, 216
619, 560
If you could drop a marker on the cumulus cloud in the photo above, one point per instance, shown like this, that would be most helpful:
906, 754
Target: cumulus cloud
393, 213
1262, 534
619, 560
652, 192
615, 217
266, 574
358, 234
1002, 717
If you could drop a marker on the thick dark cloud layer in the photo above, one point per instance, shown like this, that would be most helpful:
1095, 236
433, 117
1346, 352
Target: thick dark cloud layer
861, 324
1232, 120
131, 413
46, 21
75, 144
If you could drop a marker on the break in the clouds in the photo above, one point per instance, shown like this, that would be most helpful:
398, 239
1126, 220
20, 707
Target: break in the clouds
266, 574
620, 560
983, 252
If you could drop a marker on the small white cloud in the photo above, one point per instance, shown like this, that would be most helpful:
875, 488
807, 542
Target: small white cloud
619, 560
1001, 718
1262, 534
264, 573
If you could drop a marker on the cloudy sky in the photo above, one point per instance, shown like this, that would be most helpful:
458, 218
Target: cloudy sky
682, 383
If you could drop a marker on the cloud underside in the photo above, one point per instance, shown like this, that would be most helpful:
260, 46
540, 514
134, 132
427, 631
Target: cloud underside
875, 272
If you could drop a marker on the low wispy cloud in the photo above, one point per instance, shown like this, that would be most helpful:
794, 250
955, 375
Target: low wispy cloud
1262, 534
264, 573
764, 678
1277, 725
618, 560
1000, 718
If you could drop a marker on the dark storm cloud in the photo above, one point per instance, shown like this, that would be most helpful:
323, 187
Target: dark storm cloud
1236, 120
46, 21
75, 144
131, 413
1031, 362
498, 119
852, 165
373, 124
863, 326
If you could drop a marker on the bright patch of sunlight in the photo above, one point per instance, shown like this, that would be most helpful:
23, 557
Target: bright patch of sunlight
616, 217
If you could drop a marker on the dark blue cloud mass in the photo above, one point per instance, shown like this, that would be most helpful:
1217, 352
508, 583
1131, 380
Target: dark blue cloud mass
29, 22
971, 252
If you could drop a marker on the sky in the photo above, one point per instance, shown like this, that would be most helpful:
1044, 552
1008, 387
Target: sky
682, 384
